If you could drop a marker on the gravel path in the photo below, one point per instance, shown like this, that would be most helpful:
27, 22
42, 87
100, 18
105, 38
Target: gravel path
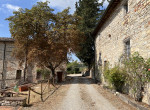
75, 99
80, 93
100, 102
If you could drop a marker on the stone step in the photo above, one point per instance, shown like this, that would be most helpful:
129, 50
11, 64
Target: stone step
13, 101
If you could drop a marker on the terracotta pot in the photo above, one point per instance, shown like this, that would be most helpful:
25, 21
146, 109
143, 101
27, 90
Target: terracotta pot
23, 88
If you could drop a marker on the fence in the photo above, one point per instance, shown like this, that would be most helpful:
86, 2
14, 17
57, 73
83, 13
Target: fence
44, 90
36, 91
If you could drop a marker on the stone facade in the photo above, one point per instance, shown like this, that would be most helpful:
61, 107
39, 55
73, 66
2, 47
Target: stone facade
126, 30
61, 69
9, 66
12, 72
13, 101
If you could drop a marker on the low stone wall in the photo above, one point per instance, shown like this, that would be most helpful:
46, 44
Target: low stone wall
13, 101
130, 101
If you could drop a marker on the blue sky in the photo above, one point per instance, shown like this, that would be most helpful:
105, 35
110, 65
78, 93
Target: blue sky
8, 6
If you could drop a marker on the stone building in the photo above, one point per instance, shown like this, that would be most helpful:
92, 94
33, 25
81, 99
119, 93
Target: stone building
12, 73
10, 70
123, 29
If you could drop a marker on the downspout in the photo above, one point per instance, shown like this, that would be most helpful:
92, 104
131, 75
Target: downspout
4, 71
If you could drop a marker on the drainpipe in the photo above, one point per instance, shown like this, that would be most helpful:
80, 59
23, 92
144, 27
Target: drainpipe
4, 71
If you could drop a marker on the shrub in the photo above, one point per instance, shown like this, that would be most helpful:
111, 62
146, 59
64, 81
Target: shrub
138, 74
77, 70
147, 69
106, 72
45, 73
135, 72
116, 77
75, 67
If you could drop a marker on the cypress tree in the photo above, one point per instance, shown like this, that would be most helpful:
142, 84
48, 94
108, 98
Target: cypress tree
90, 12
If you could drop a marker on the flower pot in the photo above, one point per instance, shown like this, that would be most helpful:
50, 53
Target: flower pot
23, 88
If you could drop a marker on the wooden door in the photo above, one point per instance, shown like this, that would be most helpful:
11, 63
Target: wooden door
59, 76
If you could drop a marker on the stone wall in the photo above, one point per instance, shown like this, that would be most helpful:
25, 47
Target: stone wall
11, 65
122, 26
62, 68
13, 101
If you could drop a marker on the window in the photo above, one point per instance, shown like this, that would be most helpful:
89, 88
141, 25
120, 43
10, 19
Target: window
18, 74
126, 7
127, 48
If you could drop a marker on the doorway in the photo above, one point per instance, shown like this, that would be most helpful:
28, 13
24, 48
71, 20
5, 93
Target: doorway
59, 76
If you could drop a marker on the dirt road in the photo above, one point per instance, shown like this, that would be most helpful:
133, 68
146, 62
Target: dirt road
81, 94
77, 94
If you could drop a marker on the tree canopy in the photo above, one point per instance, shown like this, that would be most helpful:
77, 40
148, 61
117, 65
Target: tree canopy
43, 37
90, 13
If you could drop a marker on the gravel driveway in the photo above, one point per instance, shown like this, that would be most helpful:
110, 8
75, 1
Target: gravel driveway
80, 93
76, 97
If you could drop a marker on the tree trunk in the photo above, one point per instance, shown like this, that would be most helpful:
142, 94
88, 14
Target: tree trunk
89, 68
26, 59
53, 72
53, 75
25, 68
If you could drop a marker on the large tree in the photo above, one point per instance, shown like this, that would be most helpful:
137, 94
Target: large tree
90, 13
27, 27
61, 40
42, 36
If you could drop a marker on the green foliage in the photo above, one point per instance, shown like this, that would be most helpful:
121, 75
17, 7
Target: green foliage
74, 67
90, 13
138, 73
77, 70
147, 68
45, 73
116, 77
41, 34
135, 72
71, 67
106, 72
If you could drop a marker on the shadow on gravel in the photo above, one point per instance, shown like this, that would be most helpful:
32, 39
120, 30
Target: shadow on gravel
78, 80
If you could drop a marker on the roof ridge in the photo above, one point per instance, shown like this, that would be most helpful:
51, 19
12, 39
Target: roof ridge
6, 39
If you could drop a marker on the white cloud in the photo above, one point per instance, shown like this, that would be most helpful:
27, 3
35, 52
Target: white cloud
62, 4
11, 7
